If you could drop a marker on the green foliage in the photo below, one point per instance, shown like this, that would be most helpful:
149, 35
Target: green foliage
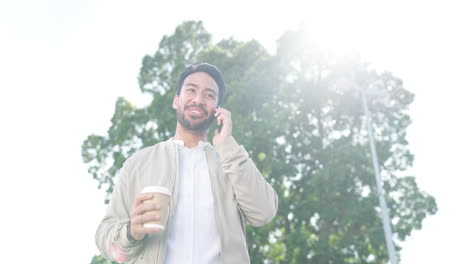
299, 114
101, 260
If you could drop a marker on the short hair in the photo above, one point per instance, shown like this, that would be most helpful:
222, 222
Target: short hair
209, 69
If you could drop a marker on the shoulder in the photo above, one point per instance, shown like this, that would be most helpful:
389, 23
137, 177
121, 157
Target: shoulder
146, 154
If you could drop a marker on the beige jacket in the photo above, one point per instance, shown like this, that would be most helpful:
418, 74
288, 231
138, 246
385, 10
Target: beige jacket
240, 194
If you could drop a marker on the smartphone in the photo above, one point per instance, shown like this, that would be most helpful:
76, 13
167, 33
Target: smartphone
220, 126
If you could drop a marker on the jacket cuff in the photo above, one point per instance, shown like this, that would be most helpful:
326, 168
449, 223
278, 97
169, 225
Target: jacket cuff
227, 146
123, 238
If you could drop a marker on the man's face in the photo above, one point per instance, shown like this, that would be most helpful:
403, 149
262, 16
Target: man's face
197, 102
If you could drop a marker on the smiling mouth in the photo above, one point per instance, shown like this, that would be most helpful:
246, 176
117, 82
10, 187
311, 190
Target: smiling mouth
196, 111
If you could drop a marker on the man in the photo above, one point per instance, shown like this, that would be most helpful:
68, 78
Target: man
214, 189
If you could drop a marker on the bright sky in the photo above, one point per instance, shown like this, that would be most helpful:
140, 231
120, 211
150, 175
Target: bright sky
63, 64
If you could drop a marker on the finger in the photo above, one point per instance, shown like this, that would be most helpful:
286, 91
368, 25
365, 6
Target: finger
221, 119
150, 217
145, 218
218, 111
146, 207
226, 123
145, 230
223, 111
141, 197
151, 230
137, 221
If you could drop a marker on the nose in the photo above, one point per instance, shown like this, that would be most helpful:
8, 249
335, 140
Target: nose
198, 99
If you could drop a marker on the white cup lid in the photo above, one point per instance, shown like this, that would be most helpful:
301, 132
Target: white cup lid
156, 189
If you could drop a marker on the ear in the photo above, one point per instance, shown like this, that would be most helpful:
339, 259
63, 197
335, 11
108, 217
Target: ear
175, 102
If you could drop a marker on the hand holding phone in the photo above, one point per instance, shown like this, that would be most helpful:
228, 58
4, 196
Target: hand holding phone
224, 129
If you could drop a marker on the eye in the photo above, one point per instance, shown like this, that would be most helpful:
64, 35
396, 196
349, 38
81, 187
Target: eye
211, 96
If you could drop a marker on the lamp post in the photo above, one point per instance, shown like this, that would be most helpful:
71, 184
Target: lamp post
383, 204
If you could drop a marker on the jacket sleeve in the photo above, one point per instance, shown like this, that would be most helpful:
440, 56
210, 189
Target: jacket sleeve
111, 235
256, 197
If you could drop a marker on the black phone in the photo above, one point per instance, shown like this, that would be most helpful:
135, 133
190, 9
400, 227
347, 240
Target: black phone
219, 127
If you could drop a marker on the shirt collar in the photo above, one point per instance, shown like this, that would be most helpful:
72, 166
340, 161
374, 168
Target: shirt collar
180, 143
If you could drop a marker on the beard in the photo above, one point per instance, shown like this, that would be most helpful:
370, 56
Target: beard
194, 126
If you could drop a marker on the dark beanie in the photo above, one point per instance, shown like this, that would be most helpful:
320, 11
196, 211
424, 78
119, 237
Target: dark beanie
207, 68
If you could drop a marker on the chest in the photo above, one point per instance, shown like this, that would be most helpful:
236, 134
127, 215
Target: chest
195, 182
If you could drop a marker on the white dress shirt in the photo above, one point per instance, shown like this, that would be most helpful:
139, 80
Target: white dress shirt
193, 237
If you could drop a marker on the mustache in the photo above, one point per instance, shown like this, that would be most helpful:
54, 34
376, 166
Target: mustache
198, 106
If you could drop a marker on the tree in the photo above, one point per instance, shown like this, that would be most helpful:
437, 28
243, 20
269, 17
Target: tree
329, 208
299, 115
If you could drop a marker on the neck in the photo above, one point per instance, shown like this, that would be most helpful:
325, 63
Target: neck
190, 137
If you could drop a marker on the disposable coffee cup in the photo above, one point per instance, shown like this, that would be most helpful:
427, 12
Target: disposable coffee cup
161, 196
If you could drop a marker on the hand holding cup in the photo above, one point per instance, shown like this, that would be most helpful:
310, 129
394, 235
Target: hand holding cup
138, 217
150, 211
